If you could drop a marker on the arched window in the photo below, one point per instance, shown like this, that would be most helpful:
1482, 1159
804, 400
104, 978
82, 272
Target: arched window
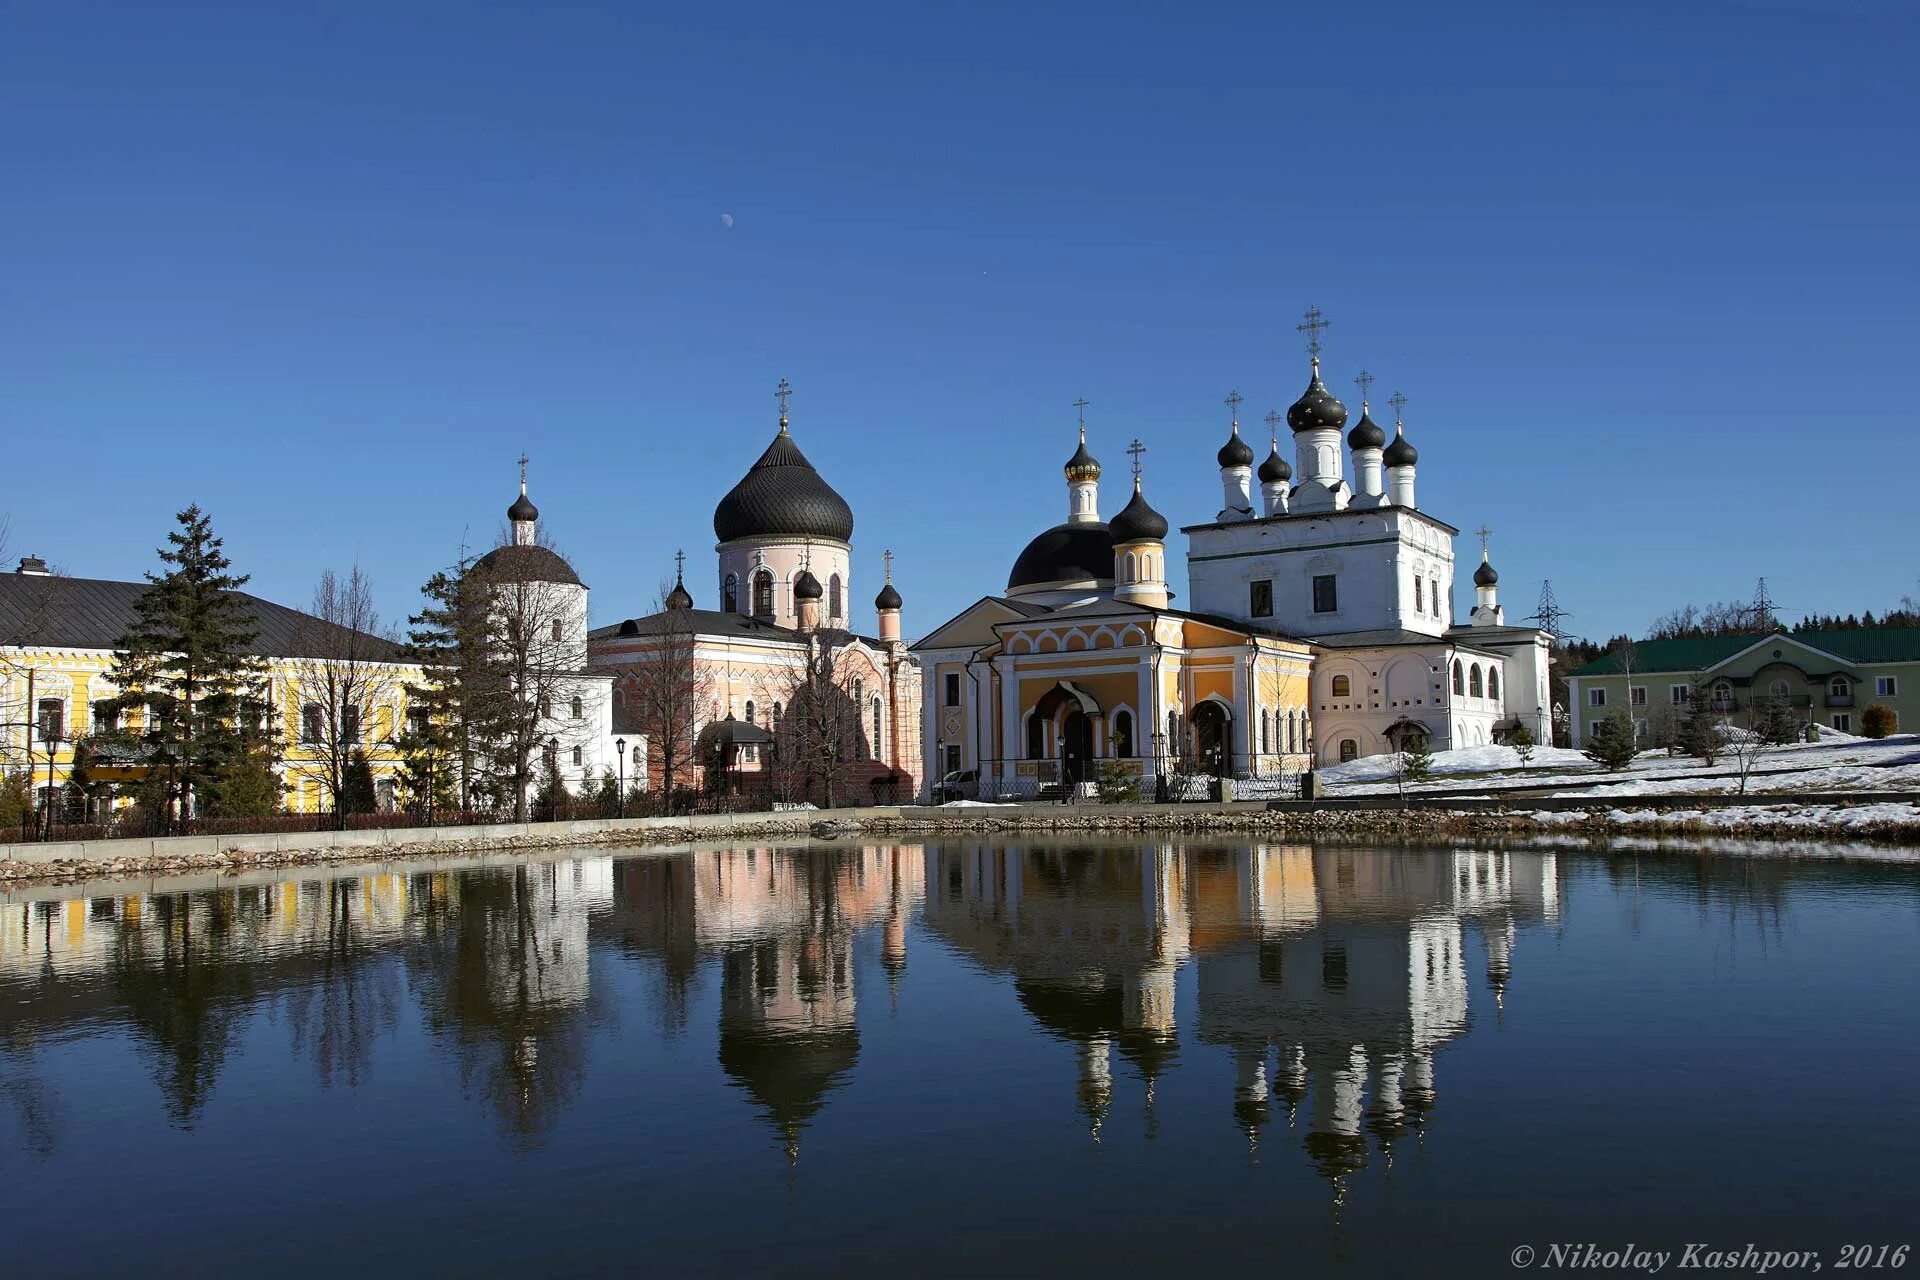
1780, 689
879, 748
833, 596
1419, 595
1036, 739
1474, 689
557, 632
1722, 695
763, 593
1123, 733
312, 723
1839, 688
579, 709
1293, 742
350, 723
1493, 682
1349, 750
749, 710
730, 594
1342, 687
1128, 569
1266, 743
1433, 587
1173, 733
1459, 679
859, 689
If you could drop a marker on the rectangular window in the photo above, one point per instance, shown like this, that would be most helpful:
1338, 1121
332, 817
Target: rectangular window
1637, 695
576, 755
1419, 595
952, 752
50, 719
1260, 598
1434, 585
1885, 686
953, 690
1680, 695
1326, 593
1596, 697
1843, 722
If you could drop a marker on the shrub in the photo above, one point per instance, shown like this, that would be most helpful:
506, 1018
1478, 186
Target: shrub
1877, 721
1521, 740
1611, 744
1117, 784
1416, 757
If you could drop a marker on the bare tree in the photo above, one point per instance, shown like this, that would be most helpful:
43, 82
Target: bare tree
670, 686
344, 675
536, 635
818, 737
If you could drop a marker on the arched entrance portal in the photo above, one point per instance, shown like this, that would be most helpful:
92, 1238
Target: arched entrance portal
1076, 746
1213, 739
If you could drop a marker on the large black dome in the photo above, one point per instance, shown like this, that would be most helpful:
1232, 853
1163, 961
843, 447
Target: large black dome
783, 496
513, 563
1317, 409
1071, 552
1138, 522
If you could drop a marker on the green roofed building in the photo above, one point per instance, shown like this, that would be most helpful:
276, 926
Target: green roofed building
1828, 678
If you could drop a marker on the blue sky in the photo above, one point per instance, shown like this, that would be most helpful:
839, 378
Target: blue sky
1645, 273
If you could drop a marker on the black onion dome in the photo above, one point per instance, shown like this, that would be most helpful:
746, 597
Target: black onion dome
513, 563
1083, 465
679, 597
1400, 453
1073, 552
887, 599
807, 587
1366, 433
1275, 468
1485, 576
522, 509
1138, 522
1317, 409
1236, 452
782, 495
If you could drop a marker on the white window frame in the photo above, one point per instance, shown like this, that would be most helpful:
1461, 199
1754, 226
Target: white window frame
1886, 686
1636, 695
1680, 695
1597, 696
1843, 722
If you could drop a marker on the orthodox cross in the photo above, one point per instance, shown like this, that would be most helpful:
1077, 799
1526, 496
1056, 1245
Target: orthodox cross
1273, 424
887, 556
1364, 381
1136, 449
1080, 407
1233, 402
1312, 327
782, 393
679, 566
523, 473
1399, 402
1484, 533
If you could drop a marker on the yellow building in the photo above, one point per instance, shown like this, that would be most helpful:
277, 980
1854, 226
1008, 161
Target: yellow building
57, 639
1083, 667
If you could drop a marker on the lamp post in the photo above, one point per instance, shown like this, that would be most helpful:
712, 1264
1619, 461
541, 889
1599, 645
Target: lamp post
620, 754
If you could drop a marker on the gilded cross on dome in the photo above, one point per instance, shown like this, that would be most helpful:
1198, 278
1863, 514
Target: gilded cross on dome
1080, 407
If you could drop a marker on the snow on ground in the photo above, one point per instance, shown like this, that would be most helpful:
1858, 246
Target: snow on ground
975, 804
1838, 762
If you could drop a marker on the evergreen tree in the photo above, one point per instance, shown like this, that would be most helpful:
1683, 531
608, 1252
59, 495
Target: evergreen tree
188, 658
462, 711
1700, 734
358, 795
250, 789
1416, 756
429, 769
1521, 740
1610, 743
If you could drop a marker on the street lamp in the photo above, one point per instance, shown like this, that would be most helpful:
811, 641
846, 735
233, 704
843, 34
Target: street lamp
620, 754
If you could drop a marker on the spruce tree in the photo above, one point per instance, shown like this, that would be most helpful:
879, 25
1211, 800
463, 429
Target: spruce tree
358, 795
1700, 734
189, 659
460, 712
1610, 743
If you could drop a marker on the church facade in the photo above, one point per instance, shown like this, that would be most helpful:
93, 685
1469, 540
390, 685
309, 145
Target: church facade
781, 689
1322, 628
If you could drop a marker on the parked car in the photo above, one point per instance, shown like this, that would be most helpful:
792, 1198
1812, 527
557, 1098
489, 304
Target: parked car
961, 784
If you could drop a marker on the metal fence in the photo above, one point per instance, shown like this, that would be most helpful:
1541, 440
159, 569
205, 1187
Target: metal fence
1137, 780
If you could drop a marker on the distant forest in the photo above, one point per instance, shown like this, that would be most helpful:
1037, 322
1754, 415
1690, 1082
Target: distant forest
1747, 618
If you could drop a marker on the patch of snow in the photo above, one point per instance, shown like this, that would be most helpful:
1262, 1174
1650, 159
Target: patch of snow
975, 804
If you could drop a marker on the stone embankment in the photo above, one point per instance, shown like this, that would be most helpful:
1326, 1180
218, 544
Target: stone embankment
1892, 824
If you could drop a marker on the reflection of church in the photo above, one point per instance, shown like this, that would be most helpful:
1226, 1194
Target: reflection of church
784, 928
1322, 625
1331, 976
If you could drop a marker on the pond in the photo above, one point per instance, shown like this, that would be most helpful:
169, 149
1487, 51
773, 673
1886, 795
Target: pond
1055, 1057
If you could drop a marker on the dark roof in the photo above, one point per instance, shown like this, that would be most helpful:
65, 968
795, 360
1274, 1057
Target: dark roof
1697, 653
1083, 465
1316, 409
705, 622
514, 563
679, 597
1236, 452
94, 613
1068, 552
1390, 637
522, 509
1400, 453
1485, 575
888, 598
807, 587
1275, 468
738, 732
782, 495
1138, 522
1366, 433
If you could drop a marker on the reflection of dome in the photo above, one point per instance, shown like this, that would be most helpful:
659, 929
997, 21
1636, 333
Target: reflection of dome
789, 1076
782, 495
1074, 552
1337, 1154
527, 564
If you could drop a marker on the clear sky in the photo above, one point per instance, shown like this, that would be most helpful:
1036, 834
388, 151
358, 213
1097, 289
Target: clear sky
1645, 272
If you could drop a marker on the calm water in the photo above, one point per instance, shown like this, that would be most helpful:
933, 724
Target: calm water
960, 1059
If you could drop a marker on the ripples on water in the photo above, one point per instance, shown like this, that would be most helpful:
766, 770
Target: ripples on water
962, 1058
